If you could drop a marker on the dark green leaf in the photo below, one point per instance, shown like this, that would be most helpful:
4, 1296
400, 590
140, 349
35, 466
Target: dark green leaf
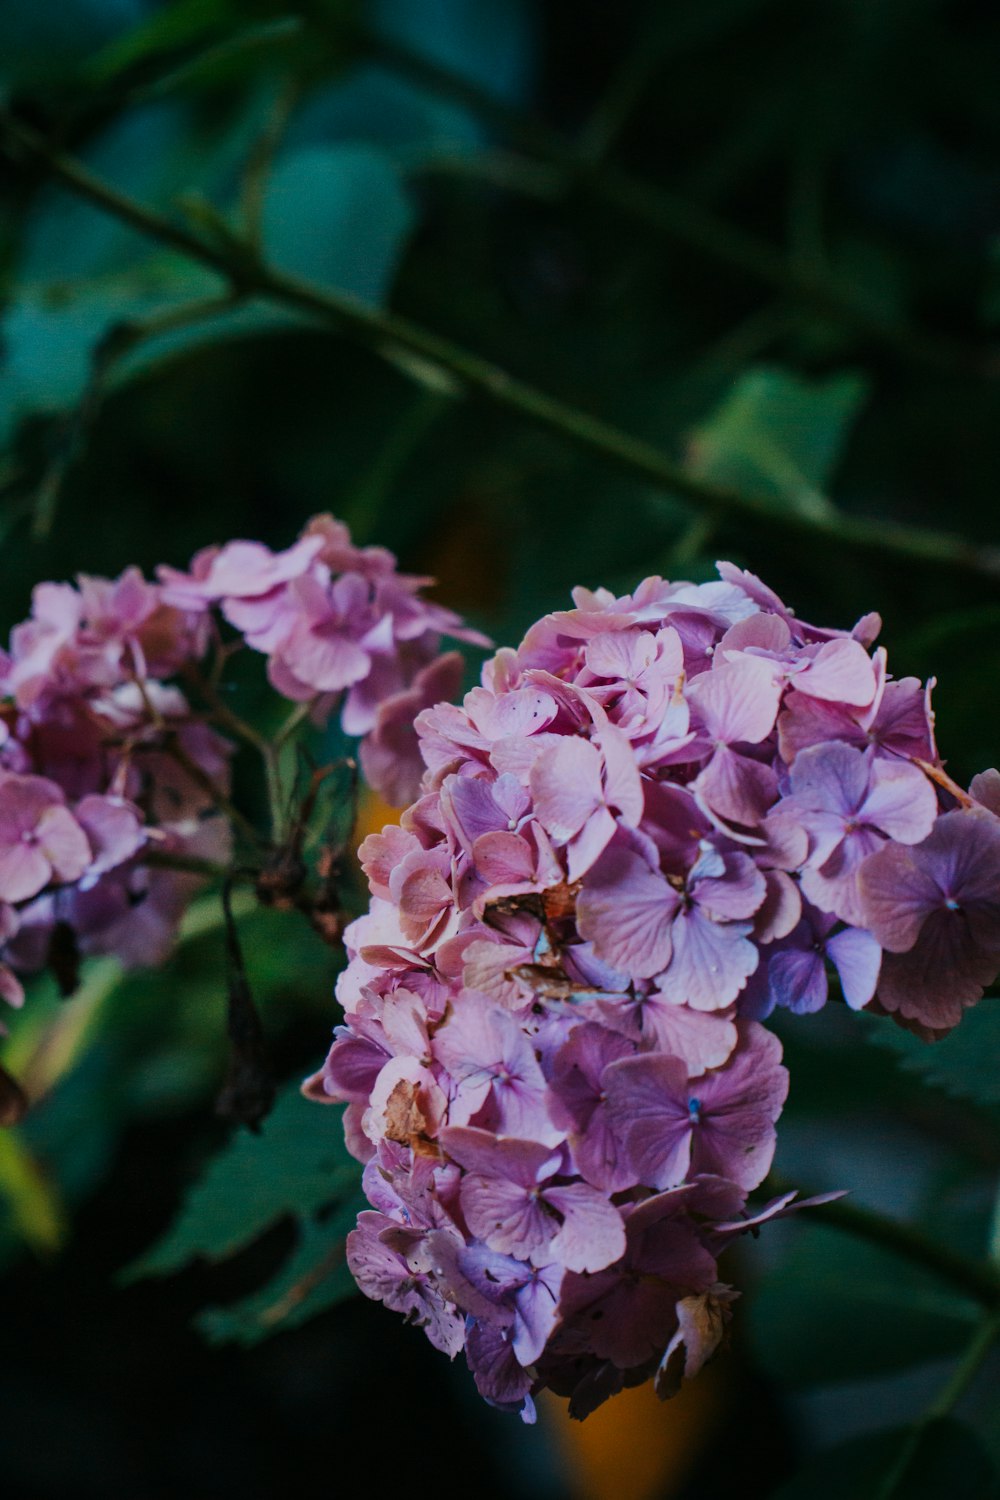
948, 1460
38, 42
171, 28
964, 1063
338, 215
778, 434
314, 1277
839, 1309
66, 238
296, 1165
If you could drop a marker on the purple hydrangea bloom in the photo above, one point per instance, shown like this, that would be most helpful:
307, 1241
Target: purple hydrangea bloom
793, 970
721, 1124
660, 817
935, 909
849, 802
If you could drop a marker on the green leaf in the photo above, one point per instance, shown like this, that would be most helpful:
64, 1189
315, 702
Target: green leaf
488, 42
28, 1195
779, 435
40, 42
297, 1165
142, 154
948, 1460
839, 1309
183, 24
50, 342
314, 1277
338, 215
963, 1064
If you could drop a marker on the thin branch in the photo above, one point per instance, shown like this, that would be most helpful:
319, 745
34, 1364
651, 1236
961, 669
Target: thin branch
978, 1279
185, 864
976, 1351
397, 338
249, 1088
120, 340
674, 216
258, 167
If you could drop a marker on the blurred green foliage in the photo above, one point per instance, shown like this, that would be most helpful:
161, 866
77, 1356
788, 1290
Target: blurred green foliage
761, 236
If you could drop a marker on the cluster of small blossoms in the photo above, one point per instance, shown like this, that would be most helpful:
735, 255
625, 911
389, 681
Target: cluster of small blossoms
101, 759
105, 761
340, 628
658, 819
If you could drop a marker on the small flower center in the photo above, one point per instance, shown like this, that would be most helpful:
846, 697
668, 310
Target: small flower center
694, 1111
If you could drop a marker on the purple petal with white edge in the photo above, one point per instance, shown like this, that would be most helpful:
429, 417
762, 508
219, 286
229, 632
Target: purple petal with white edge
63, 842
777, 1208
536, 1310
737, 702
736, 787
625, 911
701, 1039
831, 777
499, 1376
622, 783
856, 956
503, 858
592, 1235
566, 786
514, 1160
505, 1215
840, 671
24, 871
648, 1101
711, 962
798, 980
902, 801
586, 847
735, 892
780, 909
896, 893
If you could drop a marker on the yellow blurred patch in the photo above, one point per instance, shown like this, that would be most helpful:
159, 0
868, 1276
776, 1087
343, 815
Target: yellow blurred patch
33, 1201
373, 815
636, 1447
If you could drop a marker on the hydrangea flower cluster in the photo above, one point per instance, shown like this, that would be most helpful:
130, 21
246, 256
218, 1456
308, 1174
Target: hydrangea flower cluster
340, 628
101, 760
659, 818
105, 759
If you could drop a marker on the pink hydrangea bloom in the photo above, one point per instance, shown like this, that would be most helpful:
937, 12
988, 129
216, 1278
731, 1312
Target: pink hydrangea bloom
103, 756
86, 783
659, 818
341, 629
